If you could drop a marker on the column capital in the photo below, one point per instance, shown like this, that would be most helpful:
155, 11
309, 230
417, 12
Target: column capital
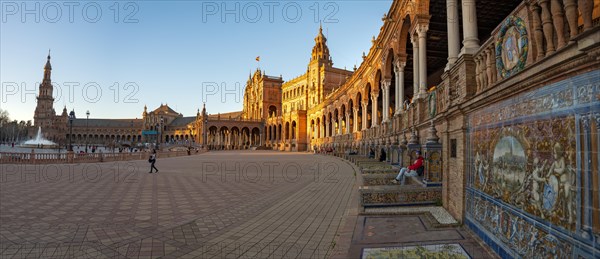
422, 29
385, 83
399, 66
374, 95
414, 39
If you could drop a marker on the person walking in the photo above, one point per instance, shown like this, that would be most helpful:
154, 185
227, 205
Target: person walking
152, 161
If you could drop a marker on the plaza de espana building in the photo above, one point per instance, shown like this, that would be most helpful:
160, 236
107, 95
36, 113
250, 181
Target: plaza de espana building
501, 97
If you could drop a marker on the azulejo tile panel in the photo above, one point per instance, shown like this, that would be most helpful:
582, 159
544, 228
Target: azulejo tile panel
529, 167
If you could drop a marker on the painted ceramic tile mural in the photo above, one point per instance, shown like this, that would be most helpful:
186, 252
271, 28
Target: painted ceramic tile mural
527, 173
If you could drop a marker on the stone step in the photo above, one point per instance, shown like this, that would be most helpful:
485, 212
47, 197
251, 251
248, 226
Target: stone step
387, 179
440, 216
378, 179
392, 170
390, 195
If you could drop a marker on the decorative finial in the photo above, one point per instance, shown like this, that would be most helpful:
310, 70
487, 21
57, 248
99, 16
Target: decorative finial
48, 53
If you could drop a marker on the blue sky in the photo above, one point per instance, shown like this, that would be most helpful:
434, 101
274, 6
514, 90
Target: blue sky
173, 52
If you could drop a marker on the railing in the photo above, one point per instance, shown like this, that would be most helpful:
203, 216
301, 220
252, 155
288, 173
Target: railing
552, 26
57, 158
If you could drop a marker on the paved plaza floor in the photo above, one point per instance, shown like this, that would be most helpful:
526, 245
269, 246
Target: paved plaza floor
231, 204
227, 204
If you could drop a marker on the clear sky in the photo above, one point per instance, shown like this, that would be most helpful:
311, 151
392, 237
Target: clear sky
112, 58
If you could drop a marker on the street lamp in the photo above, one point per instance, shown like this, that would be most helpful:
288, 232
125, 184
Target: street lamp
87, 124
161, 128
71, 118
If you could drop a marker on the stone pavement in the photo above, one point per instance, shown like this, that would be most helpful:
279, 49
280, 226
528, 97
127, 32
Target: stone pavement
231, 204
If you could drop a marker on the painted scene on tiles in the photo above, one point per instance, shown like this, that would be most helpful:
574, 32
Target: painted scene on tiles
530, 166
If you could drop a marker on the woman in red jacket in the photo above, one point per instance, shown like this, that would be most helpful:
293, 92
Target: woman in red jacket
412, 169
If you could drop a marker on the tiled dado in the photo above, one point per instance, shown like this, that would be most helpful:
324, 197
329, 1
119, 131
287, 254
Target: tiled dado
533, 171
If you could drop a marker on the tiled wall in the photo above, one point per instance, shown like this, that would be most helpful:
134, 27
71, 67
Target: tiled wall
532, 171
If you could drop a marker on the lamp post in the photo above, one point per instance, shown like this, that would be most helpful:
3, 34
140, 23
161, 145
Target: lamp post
161, 128
156, 127
87, 124
71, 118
204, 133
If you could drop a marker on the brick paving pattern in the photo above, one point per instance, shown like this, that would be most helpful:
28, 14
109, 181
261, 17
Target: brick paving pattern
236, 204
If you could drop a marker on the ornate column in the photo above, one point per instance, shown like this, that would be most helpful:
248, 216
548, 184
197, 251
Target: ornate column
365, 105
478, 73
347, 122
490, 59
547, 26
374, 121
559, 22
385, 86
453, 32
399, 70
422, 31
470, 36
586, 7
538, 33
355, 124
415, 44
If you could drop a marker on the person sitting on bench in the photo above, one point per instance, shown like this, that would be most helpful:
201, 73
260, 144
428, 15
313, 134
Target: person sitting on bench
412, 170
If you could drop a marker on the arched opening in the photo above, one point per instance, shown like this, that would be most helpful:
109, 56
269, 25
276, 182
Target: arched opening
369, 106
235, 138
336, 122
351, 111
294, 130
272, 111
330, 125
380, 89
343, 123
312, 129
255, 140
359, 114
318, 128
389, 73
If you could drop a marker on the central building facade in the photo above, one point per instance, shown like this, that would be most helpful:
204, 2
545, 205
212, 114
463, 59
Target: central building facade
284, 106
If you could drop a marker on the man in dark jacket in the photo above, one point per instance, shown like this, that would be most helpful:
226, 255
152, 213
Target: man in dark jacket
410, 171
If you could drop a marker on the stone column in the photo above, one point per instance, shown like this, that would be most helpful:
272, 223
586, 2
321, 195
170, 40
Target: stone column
355, 125
322, 129
374, 96
347, 122
415, 44
470, 36
547, 26
340, 116
422, 31
385, 85
327, 126
365, 105
399, 70
453, 32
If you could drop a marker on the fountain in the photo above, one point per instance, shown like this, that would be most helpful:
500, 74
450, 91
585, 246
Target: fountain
39, 142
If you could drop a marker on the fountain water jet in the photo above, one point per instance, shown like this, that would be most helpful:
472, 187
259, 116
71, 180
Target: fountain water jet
39, 141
